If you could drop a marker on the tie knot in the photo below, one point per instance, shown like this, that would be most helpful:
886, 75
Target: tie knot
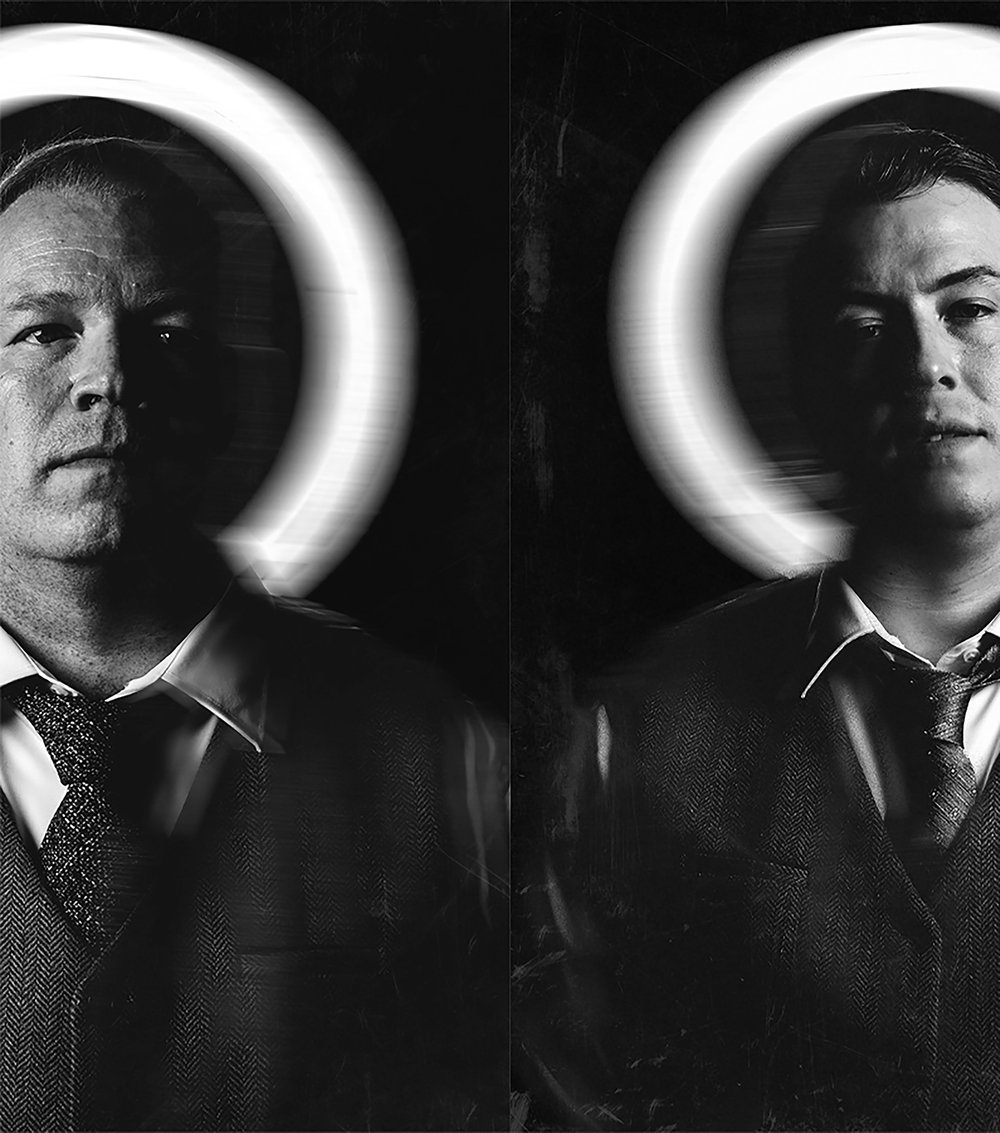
930, 701
937, 700
986, 670
78, 733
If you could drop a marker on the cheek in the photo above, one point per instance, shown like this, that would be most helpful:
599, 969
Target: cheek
24, 419
980, 365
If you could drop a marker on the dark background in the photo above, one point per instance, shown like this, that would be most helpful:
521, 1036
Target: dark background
600, 556
419, 92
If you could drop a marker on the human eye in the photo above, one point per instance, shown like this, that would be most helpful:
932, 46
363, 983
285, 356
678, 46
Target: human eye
852, 332
970, 310
173, 339
172, 336
44, 335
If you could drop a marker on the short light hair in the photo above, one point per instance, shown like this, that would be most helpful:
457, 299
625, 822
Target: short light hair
122, 172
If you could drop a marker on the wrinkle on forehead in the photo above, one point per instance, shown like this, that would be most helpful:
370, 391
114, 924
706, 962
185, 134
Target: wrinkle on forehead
78, 243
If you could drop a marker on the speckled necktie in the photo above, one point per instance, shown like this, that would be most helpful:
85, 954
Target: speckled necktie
932, 705
94, 862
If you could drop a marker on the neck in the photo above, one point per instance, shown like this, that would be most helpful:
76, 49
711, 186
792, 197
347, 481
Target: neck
931, 590
97, 626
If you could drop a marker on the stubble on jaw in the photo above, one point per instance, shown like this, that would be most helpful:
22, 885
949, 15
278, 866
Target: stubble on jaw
114, 257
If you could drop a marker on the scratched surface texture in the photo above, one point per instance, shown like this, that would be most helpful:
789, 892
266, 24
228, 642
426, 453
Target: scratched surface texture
600, 555
419, 93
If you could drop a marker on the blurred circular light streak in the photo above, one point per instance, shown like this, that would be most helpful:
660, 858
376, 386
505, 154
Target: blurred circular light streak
356, 394
671, 262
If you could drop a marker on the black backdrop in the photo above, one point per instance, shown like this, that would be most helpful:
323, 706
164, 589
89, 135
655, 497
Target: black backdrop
419, 93
600, 554
573, 101
441, 102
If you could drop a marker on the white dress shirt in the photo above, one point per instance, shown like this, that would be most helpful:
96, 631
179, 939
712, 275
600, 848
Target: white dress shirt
840, 617
214, 674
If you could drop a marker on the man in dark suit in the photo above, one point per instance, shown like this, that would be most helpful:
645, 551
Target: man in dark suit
245, 849
772, 897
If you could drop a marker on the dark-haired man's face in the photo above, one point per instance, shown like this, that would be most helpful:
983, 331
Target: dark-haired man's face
107, 395
911, 359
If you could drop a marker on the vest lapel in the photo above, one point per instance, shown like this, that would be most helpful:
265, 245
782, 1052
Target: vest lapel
966, 902
855, 825
41, 965
869, 945
170, 1000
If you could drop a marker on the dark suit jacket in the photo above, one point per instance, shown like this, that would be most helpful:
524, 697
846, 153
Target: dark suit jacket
318, 953
726, 936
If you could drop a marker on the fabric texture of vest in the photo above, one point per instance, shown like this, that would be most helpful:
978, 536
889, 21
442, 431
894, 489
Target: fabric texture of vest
42, 965
306, 957
738, 945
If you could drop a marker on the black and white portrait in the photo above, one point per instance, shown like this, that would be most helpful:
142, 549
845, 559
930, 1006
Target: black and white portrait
758, 863
459, 451
253, 601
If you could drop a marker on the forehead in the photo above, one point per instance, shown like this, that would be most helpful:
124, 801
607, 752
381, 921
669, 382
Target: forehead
72, 240
946, 227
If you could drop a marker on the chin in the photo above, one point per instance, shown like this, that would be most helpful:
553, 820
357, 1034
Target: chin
99, 533
925, 510
82, 541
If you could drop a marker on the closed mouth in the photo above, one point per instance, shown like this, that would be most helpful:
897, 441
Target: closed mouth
92, 454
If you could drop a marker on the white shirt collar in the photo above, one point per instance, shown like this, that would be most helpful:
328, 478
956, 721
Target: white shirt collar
840, 616
220, 665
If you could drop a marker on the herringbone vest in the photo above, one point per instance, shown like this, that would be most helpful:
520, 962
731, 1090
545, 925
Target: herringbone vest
41, 967
966, 904
778, 968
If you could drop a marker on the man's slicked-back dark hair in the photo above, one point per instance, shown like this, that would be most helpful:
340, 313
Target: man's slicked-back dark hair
124, 172
871, 165
898, 161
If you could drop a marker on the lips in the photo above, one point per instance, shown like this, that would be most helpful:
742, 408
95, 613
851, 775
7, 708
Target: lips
116, 453
931, 431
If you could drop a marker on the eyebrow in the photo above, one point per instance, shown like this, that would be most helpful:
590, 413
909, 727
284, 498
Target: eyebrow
159, 302
951, 279
43, 300
964, 275
174, 299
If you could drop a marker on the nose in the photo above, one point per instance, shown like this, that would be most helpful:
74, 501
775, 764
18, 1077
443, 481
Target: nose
98, 377
935, 360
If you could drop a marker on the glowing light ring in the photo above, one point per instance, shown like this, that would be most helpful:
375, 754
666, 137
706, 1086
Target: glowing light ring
670, 267
356, 392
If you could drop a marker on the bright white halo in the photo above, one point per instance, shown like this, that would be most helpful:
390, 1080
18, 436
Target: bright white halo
670, 268
356, 392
